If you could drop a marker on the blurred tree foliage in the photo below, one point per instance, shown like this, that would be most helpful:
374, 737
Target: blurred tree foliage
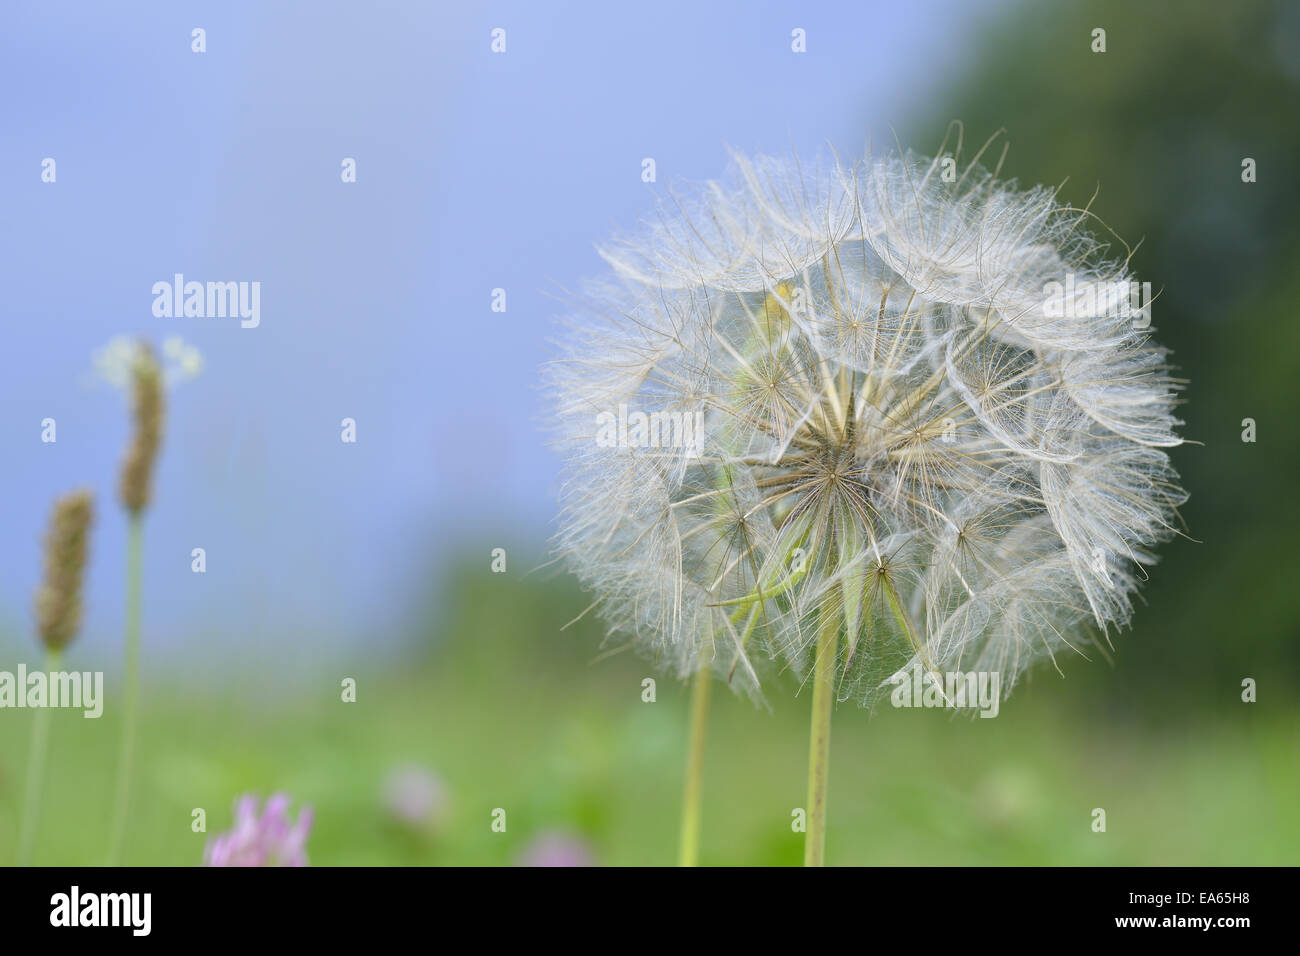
1161, 122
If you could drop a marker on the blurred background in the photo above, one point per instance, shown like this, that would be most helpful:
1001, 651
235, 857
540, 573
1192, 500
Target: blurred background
479, 171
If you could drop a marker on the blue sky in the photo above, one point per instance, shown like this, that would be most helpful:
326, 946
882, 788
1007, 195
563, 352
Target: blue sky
475, 171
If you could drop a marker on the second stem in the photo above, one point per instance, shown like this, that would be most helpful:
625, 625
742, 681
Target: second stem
35, 772
819, 741
134, 555
690, 845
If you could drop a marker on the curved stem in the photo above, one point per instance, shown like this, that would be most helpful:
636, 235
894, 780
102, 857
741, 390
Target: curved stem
35, 771
130, 687
689, 851
819, 743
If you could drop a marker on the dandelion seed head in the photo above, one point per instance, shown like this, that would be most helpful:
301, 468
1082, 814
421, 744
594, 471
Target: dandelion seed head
903, 430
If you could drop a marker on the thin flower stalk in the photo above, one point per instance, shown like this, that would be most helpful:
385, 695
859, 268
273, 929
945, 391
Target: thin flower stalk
689, 853
136, 492
58, 616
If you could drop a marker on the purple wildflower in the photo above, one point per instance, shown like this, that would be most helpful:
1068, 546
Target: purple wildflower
271, 839
557, 849
415, 797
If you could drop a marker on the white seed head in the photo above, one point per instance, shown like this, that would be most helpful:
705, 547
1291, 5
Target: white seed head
114, 362
919, 422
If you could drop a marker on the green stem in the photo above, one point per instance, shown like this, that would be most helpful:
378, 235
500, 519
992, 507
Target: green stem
35, 771
690, 846
819, 743
134, 554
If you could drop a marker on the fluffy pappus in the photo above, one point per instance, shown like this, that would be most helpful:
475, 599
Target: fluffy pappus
915, 413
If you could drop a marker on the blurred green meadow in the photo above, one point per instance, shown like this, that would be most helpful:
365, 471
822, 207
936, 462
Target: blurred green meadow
513, 713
